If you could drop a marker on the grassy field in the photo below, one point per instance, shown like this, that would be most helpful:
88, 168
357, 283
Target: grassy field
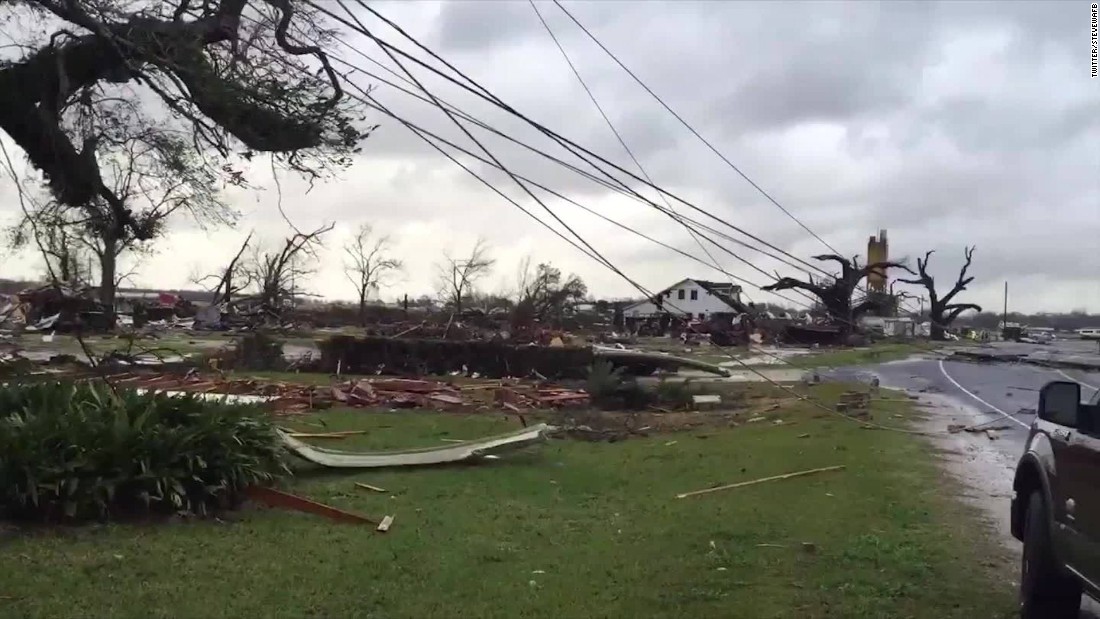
568, 529
876, 353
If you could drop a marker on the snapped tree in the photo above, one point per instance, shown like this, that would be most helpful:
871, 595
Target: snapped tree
941, 311
368, 266
835, 293
226, 78
276, 273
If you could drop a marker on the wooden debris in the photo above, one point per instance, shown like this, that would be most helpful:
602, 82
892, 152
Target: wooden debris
285, 500
370, 487
759, 481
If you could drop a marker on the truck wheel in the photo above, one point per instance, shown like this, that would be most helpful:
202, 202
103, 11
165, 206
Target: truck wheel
1045, 591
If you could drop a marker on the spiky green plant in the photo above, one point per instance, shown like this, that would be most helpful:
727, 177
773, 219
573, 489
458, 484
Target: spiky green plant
82, 451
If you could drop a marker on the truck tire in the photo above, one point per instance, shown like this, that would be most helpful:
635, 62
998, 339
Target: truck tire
1045, 590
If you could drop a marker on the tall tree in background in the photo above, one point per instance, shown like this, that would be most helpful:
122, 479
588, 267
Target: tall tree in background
835, 293
368, 265
227, 78
457, 276
277, 273
544, 295
941, 311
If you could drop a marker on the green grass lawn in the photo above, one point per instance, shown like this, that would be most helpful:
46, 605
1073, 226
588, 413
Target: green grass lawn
875, 353
568, 529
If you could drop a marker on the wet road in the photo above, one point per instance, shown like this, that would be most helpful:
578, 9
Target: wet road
1003, 394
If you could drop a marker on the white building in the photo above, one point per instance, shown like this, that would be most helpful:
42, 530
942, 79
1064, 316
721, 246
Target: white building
690, 298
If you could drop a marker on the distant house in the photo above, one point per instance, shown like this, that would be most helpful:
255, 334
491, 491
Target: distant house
690, 298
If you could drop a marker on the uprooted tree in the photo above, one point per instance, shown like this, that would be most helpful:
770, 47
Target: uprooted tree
942, 312
457, 276
231, 78
835, 293
369, 265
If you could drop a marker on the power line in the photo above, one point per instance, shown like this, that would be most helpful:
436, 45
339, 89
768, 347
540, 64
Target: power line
687, 125
370, 101
681, 218
615, 131
569, 144
693, 131
588, 175
525, 188
496, 163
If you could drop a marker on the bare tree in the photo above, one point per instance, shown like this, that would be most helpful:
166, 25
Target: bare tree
66, 257
369, 265
942, 312
230, 281
230, 77
277, 273
836, 293
458, 276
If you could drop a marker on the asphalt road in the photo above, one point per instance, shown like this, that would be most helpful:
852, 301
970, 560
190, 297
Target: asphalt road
1002, 394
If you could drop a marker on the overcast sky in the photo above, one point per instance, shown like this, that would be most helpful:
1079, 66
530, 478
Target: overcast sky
950, 124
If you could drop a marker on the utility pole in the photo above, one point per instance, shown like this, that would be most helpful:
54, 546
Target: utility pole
1004, 320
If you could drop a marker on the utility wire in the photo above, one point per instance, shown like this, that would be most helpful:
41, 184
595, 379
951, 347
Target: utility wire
373, 103
519, 182
497, 164
588, 175
692, 129
681, 217
436, 102
573, 146
672, 211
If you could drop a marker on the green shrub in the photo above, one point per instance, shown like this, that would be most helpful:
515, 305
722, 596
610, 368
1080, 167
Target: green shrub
676, 394
258, 351
80, 451
610, 388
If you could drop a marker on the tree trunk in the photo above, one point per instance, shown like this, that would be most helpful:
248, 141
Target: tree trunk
363, 306
108, 269
937, 328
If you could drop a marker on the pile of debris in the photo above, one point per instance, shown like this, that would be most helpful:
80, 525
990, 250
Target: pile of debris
394, 393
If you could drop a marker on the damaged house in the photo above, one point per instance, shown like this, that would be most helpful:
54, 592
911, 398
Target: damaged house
688, 300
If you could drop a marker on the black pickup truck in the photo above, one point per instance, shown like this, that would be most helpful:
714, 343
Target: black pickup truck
1056, 506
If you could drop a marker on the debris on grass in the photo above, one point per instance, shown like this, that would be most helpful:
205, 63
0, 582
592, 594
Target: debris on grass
285, 500
370, 487
471, 450
760, 481
282, 397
